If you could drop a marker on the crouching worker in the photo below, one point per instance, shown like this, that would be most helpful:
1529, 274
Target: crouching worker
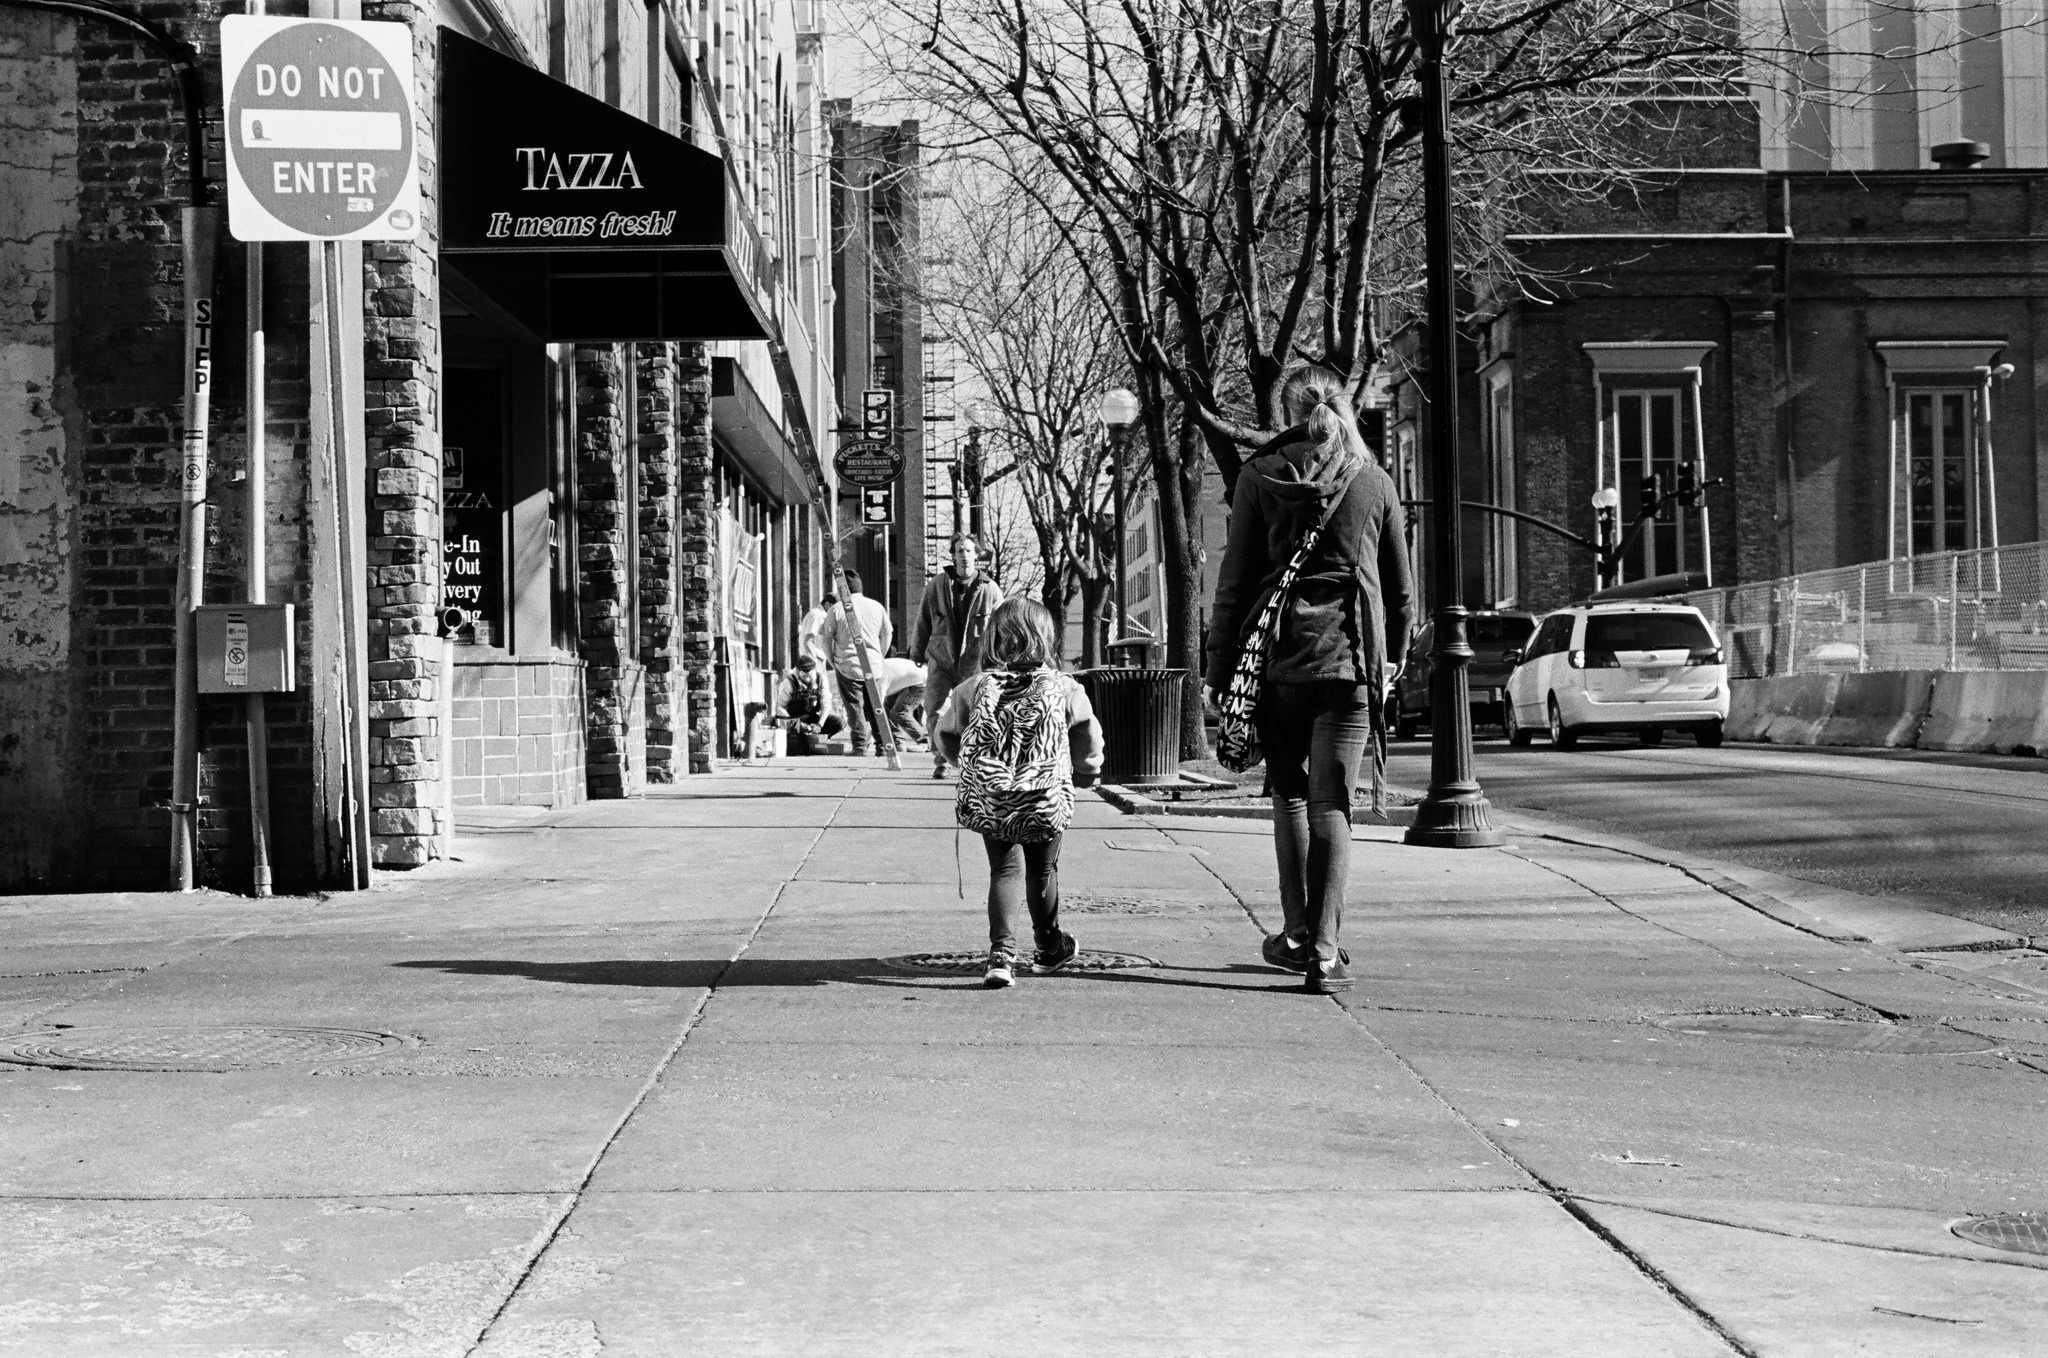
1019, 731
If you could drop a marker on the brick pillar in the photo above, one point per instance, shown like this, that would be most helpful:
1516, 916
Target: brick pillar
657, 509
401, 425
601, 574
1750, 540
696, 548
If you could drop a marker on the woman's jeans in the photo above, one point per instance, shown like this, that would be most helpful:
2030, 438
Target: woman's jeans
1018, 873
1313, 736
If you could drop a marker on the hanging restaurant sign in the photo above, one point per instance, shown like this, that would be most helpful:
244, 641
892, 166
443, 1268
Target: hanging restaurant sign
868, 463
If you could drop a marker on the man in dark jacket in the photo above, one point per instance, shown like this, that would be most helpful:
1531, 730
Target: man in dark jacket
1338, 638
958, 603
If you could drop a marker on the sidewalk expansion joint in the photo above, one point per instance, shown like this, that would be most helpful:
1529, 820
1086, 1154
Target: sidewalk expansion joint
1763, 903
549, 1234
1813, 1238
1643, 1267
1808, 981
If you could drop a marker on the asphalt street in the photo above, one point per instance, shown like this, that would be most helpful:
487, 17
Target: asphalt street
1963, 834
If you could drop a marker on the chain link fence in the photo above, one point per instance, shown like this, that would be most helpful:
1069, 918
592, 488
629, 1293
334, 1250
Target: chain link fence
1981, 610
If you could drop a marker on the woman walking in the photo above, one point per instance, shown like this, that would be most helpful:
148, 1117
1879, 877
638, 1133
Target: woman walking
1335, 638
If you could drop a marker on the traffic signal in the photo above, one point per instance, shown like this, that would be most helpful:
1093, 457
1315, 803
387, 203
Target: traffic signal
1652, 493
877, 505
1689, 484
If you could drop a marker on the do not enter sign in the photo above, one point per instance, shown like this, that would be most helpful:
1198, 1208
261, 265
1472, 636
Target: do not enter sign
319, 129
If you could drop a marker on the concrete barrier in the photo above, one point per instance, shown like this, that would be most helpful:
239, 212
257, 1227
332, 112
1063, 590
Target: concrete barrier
1749, 707
1884, 709
2005, 711
1785, 709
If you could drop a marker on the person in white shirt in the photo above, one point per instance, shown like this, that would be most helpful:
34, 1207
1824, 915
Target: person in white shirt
810, 631
903, 689
871, 622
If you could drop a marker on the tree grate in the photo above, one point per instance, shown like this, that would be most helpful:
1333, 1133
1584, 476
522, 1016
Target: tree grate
1830, 1033
971, 963
191, 1049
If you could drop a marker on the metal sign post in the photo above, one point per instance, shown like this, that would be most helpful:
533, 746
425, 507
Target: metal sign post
321, 140
201, 225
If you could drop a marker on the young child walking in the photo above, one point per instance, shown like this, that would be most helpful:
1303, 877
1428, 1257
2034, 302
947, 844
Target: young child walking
1018, 732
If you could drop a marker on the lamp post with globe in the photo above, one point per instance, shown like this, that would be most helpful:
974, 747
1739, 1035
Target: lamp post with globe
1119, 411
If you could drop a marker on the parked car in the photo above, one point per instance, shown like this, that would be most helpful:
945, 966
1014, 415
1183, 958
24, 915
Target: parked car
1645, 668
1492, 635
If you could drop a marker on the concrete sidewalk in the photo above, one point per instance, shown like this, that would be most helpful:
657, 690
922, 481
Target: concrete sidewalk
640, 1078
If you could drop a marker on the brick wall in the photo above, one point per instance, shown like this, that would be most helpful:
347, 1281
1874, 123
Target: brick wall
119, 346
657, 564
696, 548
518, 732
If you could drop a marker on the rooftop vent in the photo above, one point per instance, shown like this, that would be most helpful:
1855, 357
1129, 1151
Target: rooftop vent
1960, 155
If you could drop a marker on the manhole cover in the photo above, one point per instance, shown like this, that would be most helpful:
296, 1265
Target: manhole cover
2021, 1232
1121, 903
193, 1049
971, 963
1831, 1034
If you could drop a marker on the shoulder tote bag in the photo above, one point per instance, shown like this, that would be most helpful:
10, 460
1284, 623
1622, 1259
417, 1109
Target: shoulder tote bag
1237, 739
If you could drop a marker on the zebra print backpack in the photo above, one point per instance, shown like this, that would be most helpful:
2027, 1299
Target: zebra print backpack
1016, 778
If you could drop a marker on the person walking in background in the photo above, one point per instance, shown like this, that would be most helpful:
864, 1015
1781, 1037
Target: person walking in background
1334, 640
1019, 730
860, 625
958, 603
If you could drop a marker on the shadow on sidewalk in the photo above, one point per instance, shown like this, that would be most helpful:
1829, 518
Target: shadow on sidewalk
701, 974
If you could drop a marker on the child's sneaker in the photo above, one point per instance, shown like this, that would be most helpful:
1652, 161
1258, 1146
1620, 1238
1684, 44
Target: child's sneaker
1050, 960
999, 972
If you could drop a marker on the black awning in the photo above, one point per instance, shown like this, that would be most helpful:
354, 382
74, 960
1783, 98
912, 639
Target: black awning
583, 222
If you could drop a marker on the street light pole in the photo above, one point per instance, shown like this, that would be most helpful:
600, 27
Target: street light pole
1118, 409
1454, 814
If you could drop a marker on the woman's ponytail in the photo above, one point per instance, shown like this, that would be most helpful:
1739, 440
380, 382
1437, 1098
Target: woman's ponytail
1312, 394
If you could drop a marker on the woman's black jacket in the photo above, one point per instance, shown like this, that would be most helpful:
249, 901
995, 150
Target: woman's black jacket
1353, 603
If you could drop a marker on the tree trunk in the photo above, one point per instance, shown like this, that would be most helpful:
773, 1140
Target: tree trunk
1095, 596
1177, 501
1054, 593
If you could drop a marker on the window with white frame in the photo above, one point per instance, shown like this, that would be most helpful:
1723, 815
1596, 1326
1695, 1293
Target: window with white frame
1942, 497
1650, 447
1939, 427
1650, 437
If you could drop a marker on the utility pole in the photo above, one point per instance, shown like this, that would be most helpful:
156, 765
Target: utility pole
1454, 814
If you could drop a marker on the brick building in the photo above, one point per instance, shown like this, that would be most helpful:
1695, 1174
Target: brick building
576, 511
878, 336
1805, 305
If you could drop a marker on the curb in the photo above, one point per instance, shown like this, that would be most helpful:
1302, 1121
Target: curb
1945, 933
1132, 802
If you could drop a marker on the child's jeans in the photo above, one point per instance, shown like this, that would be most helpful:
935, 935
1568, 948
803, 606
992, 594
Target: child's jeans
1017, 874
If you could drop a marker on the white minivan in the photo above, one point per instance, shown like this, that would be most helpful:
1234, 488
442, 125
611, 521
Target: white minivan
1645, 668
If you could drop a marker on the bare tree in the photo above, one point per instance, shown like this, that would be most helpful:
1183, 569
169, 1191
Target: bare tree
1021, 309
1239, 177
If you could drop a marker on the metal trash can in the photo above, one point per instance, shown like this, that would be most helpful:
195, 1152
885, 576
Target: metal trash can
1131, 652
1140, 714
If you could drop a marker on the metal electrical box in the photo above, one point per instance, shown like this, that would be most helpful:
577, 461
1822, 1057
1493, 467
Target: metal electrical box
246, 648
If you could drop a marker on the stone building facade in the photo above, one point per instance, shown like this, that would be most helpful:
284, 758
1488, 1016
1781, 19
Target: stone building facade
641, 541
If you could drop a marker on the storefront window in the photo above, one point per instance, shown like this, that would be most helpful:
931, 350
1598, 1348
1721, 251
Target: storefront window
474, 504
